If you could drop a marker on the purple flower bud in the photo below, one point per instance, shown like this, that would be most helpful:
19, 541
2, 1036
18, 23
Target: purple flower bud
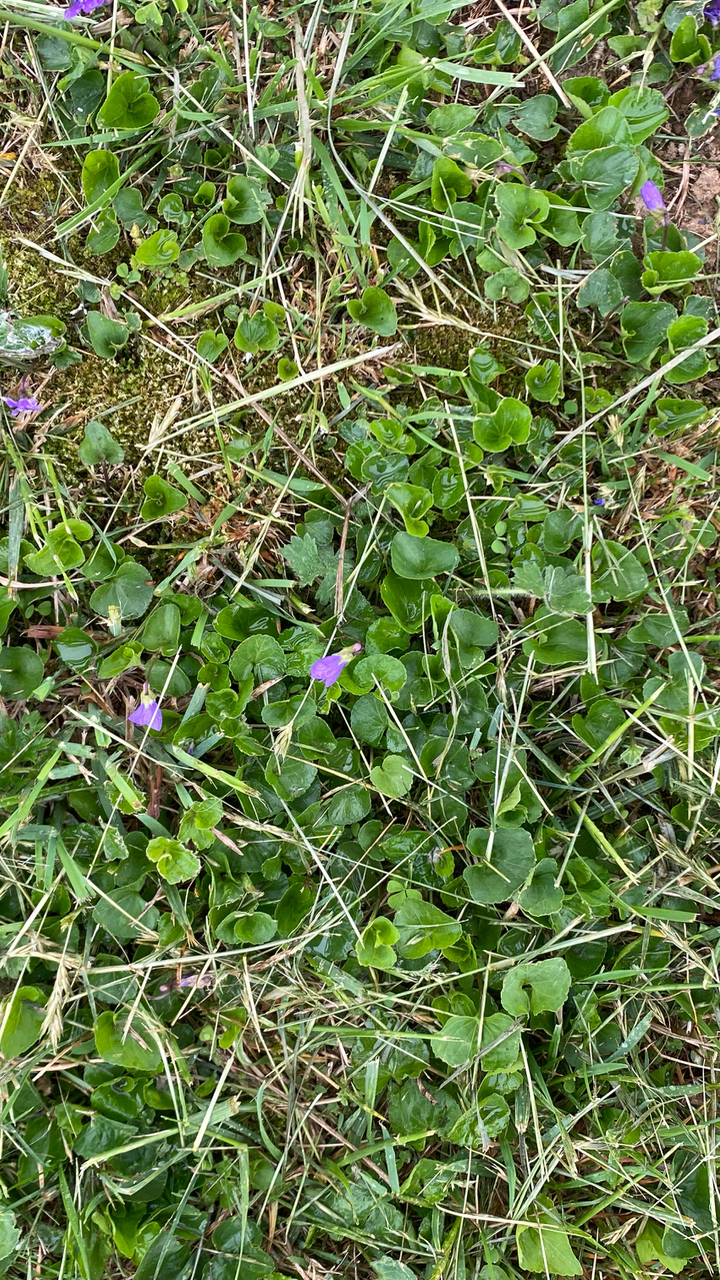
26, 404
328, 668
711, 11
147, 713
598, 502
651, 197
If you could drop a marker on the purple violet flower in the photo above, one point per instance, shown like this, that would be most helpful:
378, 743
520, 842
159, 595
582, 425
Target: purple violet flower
651, 197
78, 8
328, 668
25, 404
715, 73
598, 502
711, 11
147, 713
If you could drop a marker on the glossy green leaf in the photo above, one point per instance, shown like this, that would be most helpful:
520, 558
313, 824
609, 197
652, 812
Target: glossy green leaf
449, 183
256, 333
375, 948
522, 211
127, 1042
129, 592
221, 245
107, 336
546, 1249
510, 423
393, 777
375, 311
243, 204
412, 501
507, 860
21, 671
162, 630
159, 250
549, 983
161, 499
100, 170
22, 1015
542, 381
458, 1041
129, 104
421, 558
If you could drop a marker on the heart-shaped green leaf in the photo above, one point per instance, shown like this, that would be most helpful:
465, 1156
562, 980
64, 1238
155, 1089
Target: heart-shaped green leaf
161, 499
375, 310
549, 982
21, 671
393, 777
421, 558
375, 947
508, 859
221, 245
129, 104
98, 446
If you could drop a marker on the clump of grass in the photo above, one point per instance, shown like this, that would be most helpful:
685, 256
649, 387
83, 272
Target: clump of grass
359, 723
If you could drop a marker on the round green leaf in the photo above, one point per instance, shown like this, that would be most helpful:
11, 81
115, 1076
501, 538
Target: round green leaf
420, 558
256, 333
104, 233
507, 863
379, 669
75, 647
261, 654
21, 671
522, 209
375, 310
10, 1236
98, 446
174, 862
255, 928
412, 501
222, 246
408, 602
375, 948
543, 897
243, 204
393, 777
549, 982
161, 499
162, 630
21, 1018
100, 170
350, 803
159, 250
293, 907
369, 719
106, 336
458, 1041
500, 1045
287, 369
129, 104
210, 345
543, 381
509, 424
132, 1045
126, 916
130, 592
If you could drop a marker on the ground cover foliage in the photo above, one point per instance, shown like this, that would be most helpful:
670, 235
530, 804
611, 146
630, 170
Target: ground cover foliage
359, 910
